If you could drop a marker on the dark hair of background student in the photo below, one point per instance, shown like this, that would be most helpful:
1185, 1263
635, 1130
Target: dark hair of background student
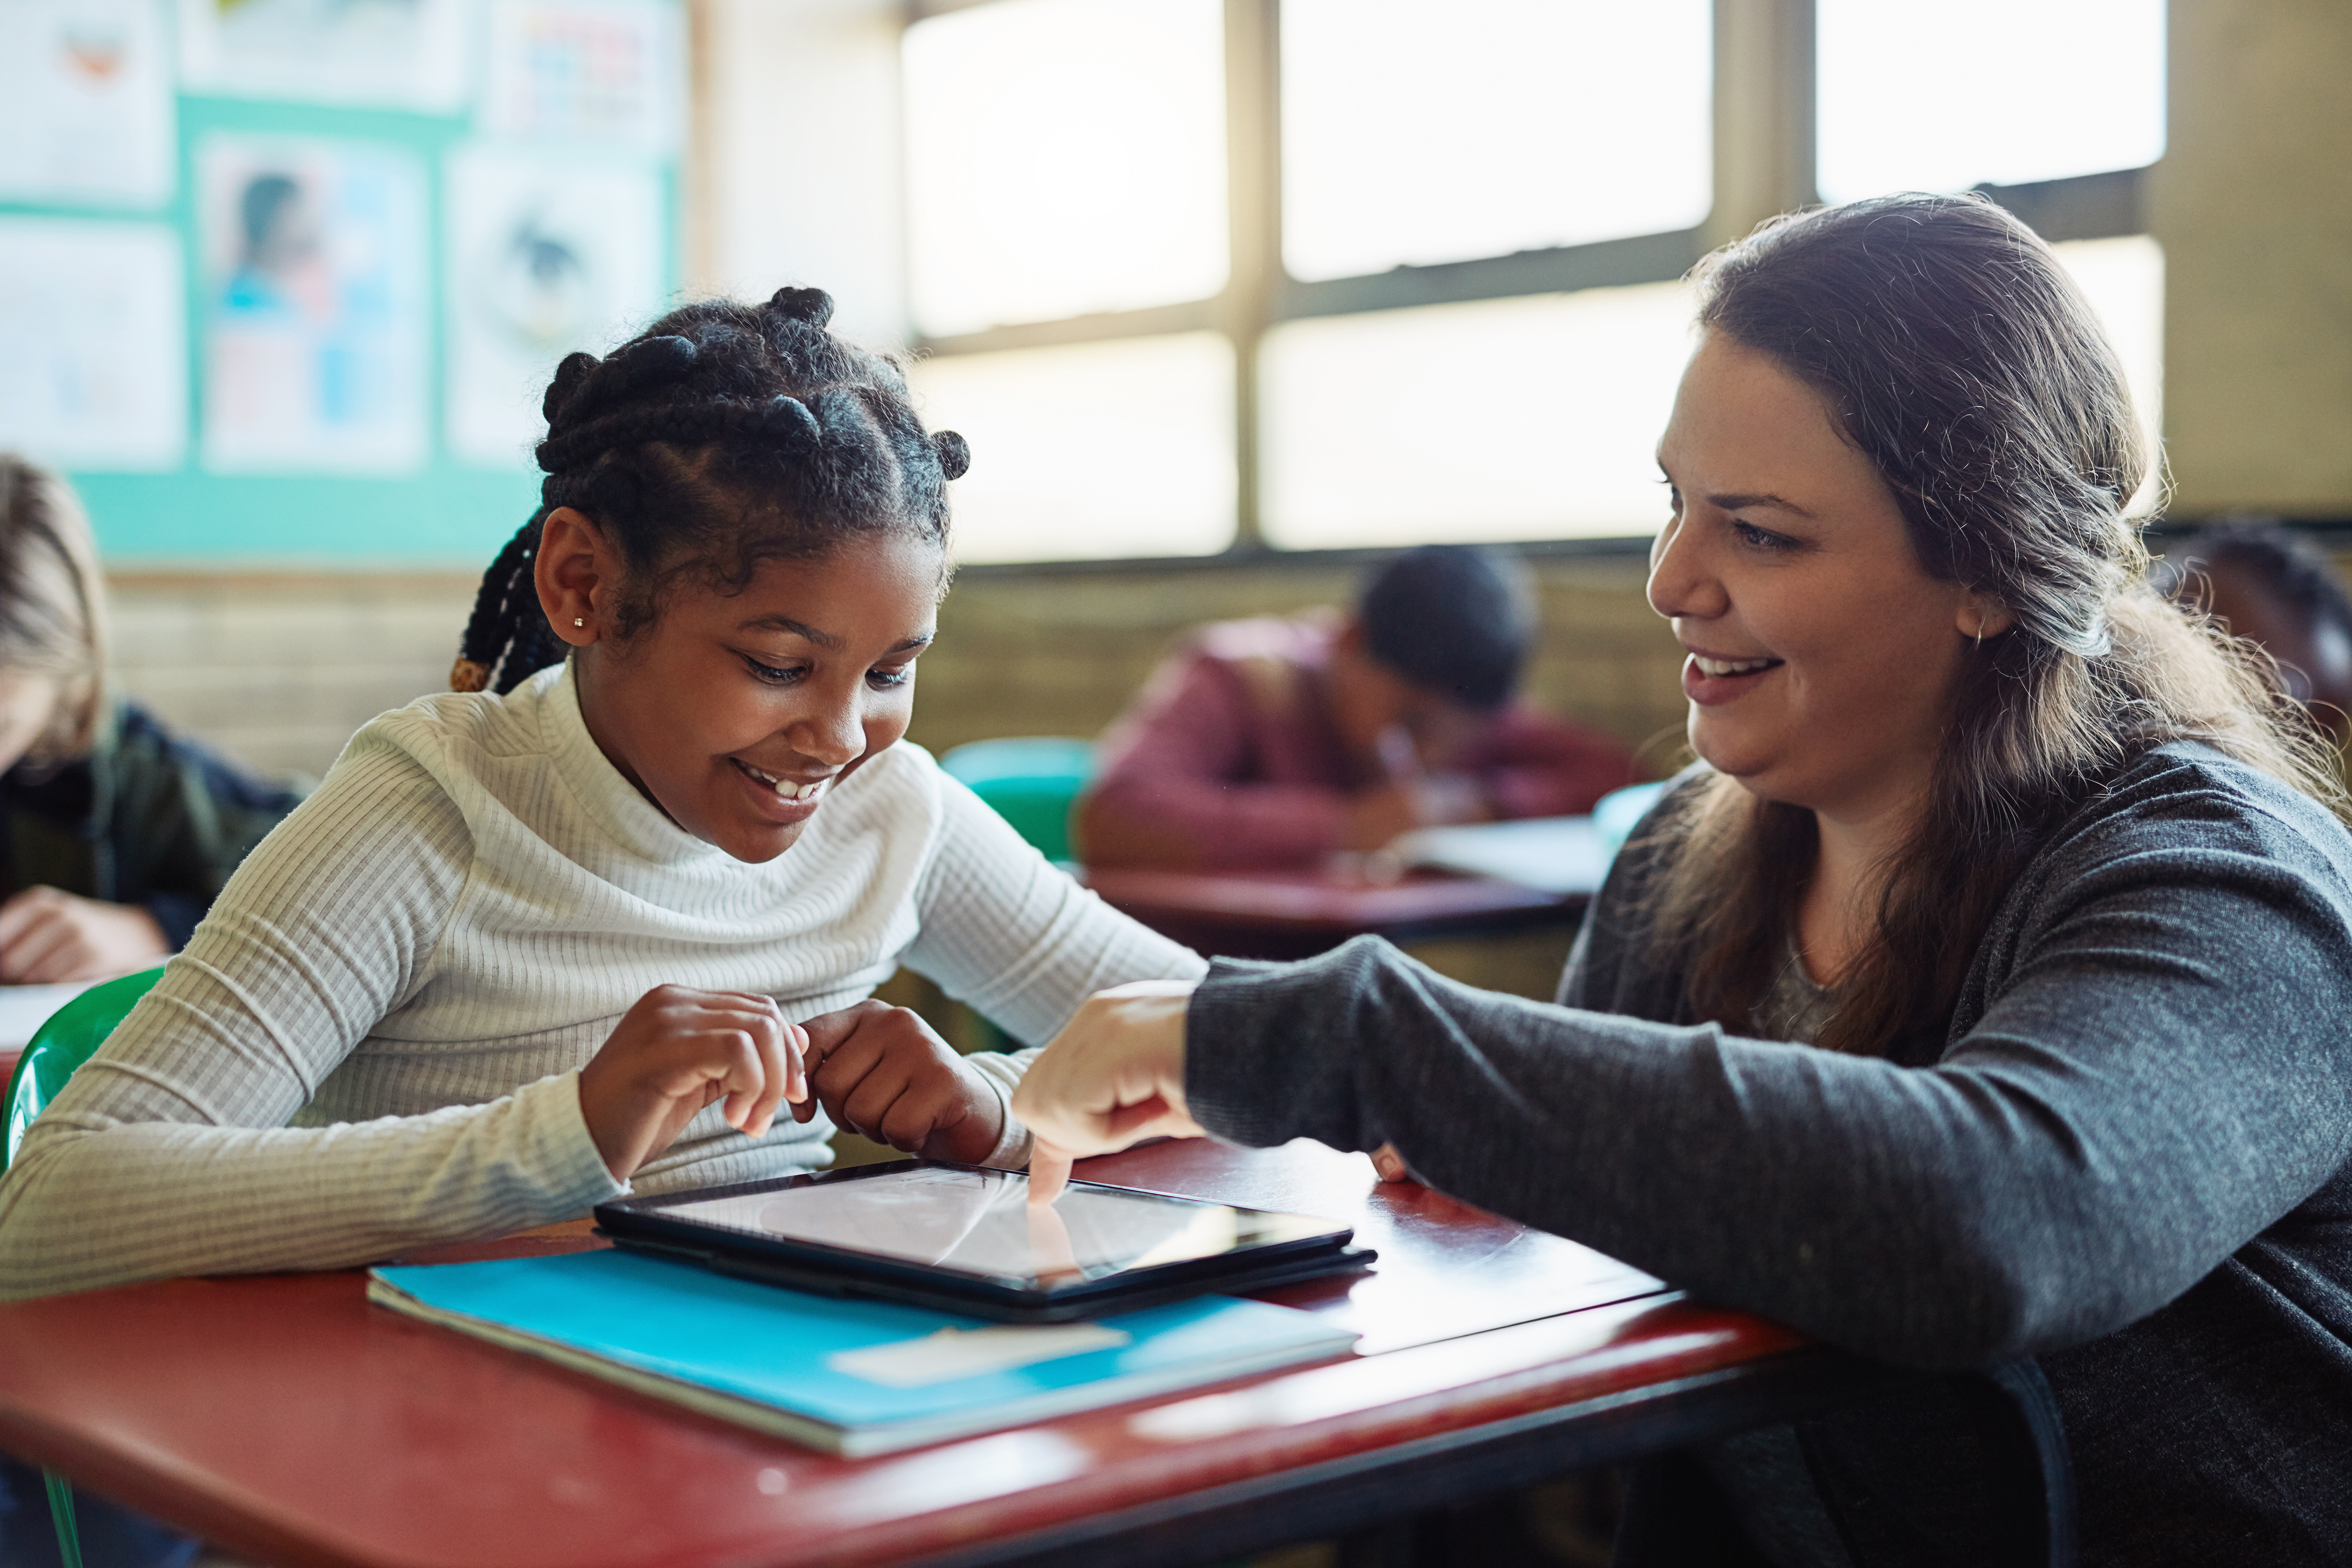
1955, 353
1454, 619
723, 435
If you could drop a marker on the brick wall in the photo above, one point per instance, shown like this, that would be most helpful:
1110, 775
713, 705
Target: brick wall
277, 670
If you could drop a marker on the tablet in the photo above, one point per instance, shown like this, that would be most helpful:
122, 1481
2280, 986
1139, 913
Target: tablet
965, 1238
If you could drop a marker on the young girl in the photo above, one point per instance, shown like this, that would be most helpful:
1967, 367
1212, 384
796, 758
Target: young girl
117, 835
1982, 999
537, 942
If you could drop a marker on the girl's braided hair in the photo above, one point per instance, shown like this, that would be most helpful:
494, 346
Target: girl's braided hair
723, 435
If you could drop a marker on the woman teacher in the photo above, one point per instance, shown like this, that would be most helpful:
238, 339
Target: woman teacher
1984, 994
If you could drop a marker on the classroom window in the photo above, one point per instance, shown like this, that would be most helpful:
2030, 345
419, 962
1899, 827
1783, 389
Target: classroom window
1064, 157
1504, 419
1411, 137
2123, 280
2005, 93
1423, 262
1118, 448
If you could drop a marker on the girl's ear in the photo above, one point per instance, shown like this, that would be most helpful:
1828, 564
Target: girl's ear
577, 574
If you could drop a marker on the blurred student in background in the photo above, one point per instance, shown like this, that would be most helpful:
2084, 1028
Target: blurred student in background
1277, 742
2278, 589
115, 835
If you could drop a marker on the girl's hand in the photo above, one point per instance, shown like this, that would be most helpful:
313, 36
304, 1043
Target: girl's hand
882, 1073
46, 935
674, 1053
1113, 1076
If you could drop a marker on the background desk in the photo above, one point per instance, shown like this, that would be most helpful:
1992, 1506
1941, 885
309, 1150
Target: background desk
288, 1420
1296, 913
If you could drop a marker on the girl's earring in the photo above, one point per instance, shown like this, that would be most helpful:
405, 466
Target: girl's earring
582, 620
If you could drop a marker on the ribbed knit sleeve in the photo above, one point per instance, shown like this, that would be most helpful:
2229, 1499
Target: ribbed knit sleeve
168, 1153
1006, 932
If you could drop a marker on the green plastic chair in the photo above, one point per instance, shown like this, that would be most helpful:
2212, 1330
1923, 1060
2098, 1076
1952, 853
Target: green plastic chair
1032, 781
59, 1047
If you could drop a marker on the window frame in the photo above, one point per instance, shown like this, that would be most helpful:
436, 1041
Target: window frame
1764, 161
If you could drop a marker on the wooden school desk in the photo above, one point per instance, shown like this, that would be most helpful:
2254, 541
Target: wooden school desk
1296, 913
287, 1420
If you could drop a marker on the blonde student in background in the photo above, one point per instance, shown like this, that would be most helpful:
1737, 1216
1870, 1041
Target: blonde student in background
117, 835
608, 915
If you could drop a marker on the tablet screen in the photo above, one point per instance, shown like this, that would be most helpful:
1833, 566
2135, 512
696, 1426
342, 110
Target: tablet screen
980, 1223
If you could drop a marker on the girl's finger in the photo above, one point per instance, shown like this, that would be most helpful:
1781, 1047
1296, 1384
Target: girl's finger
766, 1032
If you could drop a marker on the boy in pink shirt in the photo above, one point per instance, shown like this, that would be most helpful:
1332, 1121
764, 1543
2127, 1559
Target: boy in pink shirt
1278, 741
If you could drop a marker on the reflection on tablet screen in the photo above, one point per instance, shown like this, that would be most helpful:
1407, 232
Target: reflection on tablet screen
980, 1221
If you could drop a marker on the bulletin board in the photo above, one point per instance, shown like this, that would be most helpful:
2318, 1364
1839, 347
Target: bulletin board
282, 281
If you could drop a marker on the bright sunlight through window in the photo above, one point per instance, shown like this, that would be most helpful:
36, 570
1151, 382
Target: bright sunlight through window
1414, 133
1093, 450
2123, 280
1527, 418
1942, 97
1064, 157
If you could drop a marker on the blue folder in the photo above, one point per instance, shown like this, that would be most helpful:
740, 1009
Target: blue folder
851, 1377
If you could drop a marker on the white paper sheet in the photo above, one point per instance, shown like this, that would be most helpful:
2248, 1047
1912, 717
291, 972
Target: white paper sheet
93, 358
1550, 854
546, 254
25, 1008
603, 74
314, 306
407, 53
86, 104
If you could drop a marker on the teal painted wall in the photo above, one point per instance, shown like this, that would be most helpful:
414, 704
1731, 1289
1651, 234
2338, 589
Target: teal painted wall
448, 514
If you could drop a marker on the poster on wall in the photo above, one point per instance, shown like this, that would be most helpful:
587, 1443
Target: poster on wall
545, 256
607, 73
85, 107
93, 343
313, 306
401, 54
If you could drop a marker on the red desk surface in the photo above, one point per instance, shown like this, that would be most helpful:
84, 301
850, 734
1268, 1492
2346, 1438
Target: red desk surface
1280, 914
284, 1417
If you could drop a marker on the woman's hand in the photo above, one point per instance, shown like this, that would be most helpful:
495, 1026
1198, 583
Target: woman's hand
1113, 1076
674, 1053
881, 1072
48, 935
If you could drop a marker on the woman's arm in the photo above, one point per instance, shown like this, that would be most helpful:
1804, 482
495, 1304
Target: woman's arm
2166, 1074
168, 1154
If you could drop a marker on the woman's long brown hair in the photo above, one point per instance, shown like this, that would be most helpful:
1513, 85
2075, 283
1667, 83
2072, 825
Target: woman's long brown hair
1956, 354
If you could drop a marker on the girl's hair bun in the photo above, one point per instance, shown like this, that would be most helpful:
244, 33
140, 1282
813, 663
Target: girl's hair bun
787, 416
955, 452
583, 387
813, 306
566, 384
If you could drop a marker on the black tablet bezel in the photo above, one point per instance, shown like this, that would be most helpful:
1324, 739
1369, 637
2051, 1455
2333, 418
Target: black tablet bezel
642, 1225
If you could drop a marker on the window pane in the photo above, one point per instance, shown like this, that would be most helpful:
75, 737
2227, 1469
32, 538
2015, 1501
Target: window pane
1414, 133
1064, 156
1097, 449
2124, 281
1527, 418
1940, 97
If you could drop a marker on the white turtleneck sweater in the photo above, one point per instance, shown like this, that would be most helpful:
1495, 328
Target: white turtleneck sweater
374, 1040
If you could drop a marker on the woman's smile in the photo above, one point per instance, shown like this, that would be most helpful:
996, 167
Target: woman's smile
1710, 680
